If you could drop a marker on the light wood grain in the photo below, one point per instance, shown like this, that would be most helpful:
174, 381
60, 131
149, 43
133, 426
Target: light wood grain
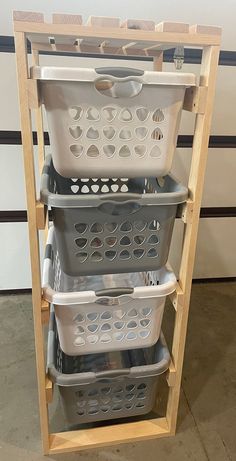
27, 142
195, 99
209, 30
28, 16
60, 18
175, 27
108, 435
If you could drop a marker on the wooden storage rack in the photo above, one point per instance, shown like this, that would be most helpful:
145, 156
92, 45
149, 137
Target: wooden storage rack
132, 38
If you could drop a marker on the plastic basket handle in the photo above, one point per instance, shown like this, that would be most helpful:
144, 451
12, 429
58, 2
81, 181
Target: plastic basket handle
112, 374
119, 72
114, 292
119, 209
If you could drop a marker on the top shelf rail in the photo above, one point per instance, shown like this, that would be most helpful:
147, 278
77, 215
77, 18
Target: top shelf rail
108, 35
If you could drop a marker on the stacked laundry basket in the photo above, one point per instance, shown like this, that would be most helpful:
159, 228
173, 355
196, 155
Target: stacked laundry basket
113, 133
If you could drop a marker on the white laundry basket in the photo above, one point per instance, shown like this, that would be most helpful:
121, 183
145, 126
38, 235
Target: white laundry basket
112, 121
105, 312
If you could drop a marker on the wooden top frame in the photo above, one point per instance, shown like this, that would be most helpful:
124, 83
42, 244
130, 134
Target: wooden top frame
107, 35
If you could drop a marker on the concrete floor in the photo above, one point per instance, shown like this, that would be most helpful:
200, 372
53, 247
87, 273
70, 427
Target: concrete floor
207, 415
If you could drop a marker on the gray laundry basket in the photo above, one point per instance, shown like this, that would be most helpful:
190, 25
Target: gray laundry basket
104, 313
106, 386
111, 225
112, 121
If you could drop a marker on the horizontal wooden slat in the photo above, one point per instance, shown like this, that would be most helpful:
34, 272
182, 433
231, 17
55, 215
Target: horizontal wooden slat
176, 27
108, 435
28, 16
209, 30
195, 99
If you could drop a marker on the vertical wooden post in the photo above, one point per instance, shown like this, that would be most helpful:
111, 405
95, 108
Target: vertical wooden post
27, 141
158, 61
208, 71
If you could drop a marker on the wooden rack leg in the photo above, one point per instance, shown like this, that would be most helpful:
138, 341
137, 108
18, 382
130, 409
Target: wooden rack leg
196, 180
22, 70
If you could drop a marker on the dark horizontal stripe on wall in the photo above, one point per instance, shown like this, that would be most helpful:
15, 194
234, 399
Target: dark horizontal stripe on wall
228, 142
191, 55
13, 216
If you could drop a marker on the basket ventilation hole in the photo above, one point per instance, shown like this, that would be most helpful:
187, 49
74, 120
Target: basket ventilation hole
144, 333
92, 151
145, 322
116, 407
152, 253
129, 396
82, 257
120, 314
126, 226
76, 149
131, 336
105, 390
129, 387
105, 408
111, 226
79, 341
92, 316
153, 239
84, 189
81, 242
124, 151
140, 150
105, 338
124, 254
75, 112
96, 228
81, 228
119, 325
139, 239
92, 392
84, 180
140, 405
96, 256
75, 131
105, 179
106, 315
79, 394
154, 225
74, 179
92, 114
96, 243
155, 152
124, 188
138, 253
128, 406
142, 386
157, 134
95, 188
141, 395
80, 412
140, 225
111, 241
126, 115
142, 113
109, 132
93, 411
146, 311
106, 327
114, 187
79, 318
92, 133
125, 133
74, 188
105, 189
109, 150
110, 254
92, 328
132, 324
109, 113
132, 313
141, 132
117, 398
79, 330
118, 336
92, 339
81, 403
125, 241
158, 116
